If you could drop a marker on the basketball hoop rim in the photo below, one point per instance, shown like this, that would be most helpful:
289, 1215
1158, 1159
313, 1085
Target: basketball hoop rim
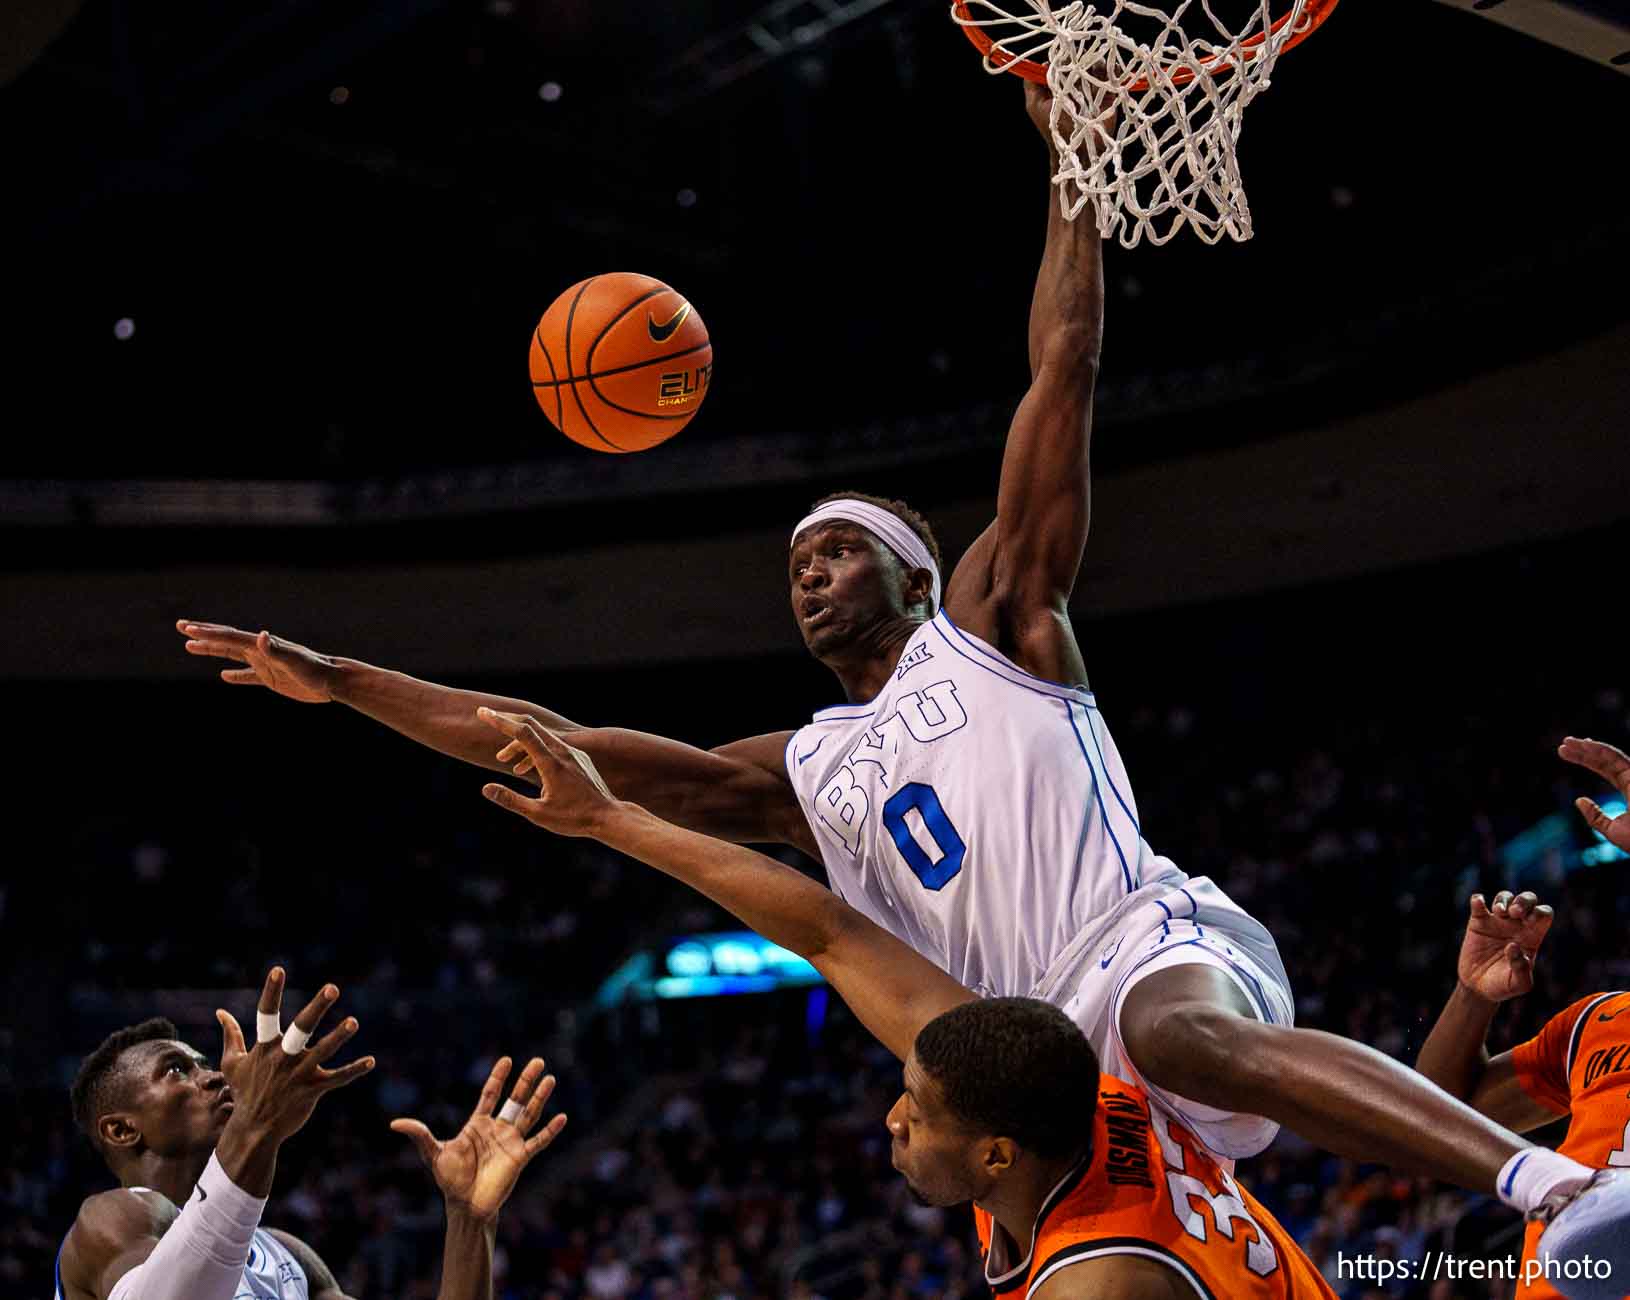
1313, 16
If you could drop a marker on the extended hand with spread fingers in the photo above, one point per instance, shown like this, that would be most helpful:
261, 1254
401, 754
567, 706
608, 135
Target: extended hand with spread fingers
477, 1169
277, 1083
287, 667
571, 795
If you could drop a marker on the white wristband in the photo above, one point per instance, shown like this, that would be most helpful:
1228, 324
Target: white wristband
295, 1040
268, 1028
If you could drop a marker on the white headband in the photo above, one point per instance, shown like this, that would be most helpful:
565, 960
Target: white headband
890, 529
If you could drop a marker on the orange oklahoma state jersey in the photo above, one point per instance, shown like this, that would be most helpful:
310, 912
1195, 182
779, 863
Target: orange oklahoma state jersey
1147, 1188
1579, 1065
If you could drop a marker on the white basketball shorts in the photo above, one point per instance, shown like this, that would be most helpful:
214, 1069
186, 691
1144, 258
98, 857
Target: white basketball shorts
1195, 923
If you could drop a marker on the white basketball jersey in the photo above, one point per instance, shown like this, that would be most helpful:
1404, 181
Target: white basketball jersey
979, 814
270, 1273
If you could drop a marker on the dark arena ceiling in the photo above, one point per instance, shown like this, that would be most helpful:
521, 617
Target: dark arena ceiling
332, 225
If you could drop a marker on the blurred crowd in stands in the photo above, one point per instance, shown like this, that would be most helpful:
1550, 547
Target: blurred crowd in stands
733, 1148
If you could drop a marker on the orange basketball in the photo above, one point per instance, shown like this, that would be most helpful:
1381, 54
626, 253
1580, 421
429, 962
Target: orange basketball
620, 362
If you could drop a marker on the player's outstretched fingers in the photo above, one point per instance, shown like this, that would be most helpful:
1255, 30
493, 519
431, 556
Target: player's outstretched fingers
1479, 907
328, 1080
536, 741
493, 1088
515, 1108
545, 1135
1502, 901
535, 1105
215, 650
1609, 763
269, 1009
1615, 830
216, 639
517, 757
423, 1140
1522, 905
518, 1106
332, 1041
506, 798
232, 1044
298, 1034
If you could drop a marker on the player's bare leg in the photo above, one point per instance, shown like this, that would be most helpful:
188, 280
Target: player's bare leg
1190, 1030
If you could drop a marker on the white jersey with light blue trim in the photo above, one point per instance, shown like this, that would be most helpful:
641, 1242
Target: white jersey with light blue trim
270, 1272
978, 813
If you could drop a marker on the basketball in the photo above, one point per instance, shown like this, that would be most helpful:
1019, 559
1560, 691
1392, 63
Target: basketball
620, 362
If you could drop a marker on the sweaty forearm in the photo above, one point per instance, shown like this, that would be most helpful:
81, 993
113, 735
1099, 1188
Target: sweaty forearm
247, 1156
892, 990
1067, 308
679, 782
1454, 1055
783, 905
466, 1266
441, 717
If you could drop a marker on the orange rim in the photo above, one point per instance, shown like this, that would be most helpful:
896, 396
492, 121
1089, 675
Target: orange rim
1314, 15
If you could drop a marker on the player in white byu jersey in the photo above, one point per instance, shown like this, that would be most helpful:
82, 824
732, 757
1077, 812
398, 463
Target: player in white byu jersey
178, 1133
968, 797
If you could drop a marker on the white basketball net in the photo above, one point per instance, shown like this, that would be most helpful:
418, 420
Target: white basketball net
1150, 160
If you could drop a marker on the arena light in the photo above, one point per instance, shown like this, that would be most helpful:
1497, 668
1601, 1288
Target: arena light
706, 966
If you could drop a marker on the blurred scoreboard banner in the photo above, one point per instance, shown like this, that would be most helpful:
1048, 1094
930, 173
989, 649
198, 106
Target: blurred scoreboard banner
707, 966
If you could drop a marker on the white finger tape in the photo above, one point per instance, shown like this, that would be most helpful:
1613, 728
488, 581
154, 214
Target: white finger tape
295, 1040
510, 1111
268, 1027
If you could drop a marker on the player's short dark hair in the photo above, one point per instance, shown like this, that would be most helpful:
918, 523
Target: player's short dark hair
1015, 1068
901, 511
99, 1084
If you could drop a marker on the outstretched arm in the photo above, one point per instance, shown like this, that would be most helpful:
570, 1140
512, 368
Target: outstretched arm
889, 987
739, 792
1021, 572
1496, 964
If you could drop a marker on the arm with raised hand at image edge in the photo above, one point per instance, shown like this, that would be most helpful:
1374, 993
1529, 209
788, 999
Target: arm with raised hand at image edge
1013, 585
737, 791
1496, 964
891, 989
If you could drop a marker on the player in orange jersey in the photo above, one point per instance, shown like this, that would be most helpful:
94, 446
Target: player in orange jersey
1073, 1199
1578, 1065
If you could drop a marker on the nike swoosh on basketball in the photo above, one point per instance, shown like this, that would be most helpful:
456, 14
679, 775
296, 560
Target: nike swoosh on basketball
1602, 1015
663, 332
